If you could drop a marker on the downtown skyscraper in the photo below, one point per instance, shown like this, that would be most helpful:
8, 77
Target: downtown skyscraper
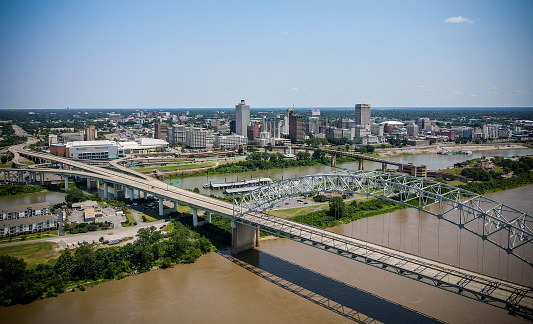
242, 118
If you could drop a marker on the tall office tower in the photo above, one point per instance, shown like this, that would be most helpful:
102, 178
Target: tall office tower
424, 125
362, 114
242, 118
161, 131
90, 133
253, 131
296, 126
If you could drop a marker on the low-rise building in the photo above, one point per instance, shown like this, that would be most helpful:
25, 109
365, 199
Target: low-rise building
92, 150
24, 211
230, 141
25, 219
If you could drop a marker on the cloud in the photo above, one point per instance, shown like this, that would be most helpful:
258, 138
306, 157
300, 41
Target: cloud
459, 20
294, 89
522, 92
285, 33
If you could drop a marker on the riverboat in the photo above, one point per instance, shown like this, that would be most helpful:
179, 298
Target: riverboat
254, 182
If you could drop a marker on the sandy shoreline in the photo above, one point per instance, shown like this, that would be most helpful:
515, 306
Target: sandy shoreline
452, 147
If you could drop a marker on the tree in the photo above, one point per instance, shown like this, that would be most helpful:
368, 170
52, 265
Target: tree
64, 265
240, 151
74, 195
337, 207
303, 155
4, 159
148, 236
196, 190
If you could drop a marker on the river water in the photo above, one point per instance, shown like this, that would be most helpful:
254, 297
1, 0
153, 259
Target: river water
432, 161
288, 282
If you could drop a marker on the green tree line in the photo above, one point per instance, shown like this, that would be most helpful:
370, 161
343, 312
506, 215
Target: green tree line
18, 284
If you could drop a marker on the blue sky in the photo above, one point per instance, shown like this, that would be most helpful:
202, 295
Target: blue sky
164, 54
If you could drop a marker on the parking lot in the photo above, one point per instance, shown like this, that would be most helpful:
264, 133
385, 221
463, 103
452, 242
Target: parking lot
109, 215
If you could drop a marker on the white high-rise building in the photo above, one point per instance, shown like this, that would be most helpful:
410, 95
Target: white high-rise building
362, 114
176, 134
242, 118
195, 137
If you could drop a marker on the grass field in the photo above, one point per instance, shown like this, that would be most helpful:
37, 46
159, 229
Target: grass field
291, 212
153, 215
454, 183
176, 167
28, 237
452, 171
33, 253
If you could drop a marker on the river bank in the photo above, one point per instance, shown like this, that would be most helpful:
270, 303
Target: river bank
452, 147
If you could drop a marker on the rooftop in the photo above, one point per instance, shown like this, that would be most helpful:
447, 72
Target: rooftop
19, 208
29, 220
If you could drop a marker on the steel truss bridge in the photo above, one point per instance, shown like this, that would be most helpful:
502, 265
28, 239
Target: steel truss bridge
470, 210
407, 190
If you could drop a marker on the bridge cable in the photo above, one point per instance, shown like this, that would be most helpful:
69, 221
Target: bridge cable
388, 232
419, 230
383, 231
507, 266
438, 241
460, 238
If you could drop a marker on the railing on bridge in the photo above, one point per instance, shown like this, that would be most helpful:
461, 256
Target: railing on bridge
413, 192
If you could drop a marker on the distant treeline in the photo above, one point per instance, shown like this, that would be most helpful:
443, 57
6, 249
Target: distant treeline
521, 169
13, 190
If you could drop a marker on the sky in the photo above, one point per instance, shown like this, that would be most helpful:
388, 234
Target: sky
173, 54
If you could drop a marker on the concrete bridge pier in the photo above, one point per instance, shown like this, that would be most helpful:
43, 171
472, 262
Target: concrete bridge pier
384, 167
361, 164
106, 193
194, 216
208, 216
175, 205
119, 194
66, 183
160, 206
333, 160
91, 183
243, 237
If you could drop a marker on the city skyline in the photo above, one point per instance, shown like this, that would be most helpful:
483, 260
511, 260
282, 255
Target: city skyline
313, 54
